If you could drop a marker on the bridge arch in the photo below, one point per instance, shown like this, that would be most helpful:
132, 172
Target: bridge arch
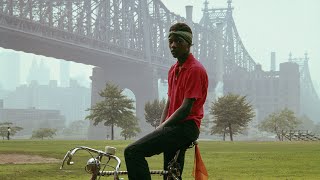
138, 79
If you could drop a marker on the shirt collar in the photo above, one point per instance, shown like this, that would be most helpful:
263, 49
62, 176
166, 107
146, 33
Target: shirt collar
187, 63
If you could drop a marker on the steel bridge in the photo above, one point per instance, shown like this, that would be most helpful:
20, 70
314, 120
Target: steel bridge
309, 98
125, 39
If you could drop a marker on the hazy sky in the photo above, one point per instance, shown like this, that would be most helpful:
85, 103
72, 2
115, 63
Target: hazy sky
282, 26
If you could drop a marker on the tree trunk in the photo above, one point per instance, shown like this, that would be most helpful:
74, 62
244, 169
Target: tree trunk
224, 136
112, 132
279, 137
230, 131
278, 134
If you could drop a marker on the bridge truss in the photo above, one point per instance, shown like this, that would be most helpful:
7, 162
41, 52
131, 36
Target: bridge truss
309, 98
135, 28
235, 55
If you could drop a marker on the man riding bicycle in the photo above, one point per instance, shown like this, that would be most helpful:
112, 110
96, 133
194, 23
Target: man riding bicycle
181, 118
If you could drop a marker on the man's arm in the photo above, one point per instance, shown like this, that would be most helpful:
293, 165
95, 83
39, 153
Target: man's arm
165, 111
181, 113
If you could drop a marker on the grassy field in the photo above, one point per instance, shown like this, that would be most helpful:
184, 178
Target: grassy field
224, 160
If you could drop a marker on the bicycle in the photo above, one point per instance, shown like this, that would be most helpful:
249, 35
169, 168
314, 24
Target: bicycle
94, 164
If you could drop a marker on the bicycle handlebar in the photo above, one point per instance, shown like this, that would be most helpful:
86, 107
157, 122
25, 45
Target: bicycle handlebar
68, 157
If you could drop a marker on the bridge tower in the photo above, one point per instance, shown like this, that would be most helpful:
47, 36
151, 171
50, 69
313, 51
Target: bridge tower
309, 99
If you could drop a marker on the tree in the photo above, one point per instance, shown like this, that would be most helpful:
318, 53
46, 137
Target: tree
316, 129
278, 122
205, 123
153, 111
79, 127
306, 123
231, 115
113, 110
130, 127
43, 133
4, 129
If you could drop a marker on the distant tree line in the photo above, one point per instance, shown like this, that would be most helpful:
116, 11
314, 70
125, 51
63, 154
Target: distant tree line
229, 115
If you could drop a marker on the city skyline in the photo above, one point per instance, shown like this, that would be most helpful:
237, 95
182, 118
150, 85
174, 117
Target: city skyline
259, 24
78, 71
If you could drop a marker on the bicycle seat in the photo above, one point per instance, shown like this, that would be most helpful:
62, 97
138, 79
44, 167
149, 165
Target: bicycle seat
196, 142
184, 148
187, 147
193, 144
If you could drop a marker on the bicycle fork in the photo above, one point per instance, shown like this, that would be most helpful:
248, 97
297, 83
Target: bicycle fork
174, 168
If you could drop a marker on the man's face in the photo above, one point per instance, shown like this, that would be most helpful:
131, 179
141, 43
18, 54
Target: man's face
178, 46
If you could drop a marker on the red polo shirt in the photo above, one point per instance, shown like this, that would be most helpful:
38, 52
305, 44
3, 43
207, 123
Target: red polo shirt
191, 81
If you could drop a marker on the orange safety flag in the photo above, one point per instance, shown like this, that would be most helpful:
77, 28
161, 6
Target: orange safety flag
199, 169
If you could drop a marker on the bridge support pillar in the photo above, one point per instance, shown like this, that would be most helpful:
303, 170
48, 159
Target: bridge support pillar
140, 80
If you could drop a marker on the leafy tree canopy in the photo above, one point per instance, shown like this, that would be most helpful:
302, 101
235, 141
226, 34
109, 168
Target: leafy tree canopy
114, 108
130, 127
153, 111
306, 123
76, 128
277, 122
231, 113
43, 133
4, 129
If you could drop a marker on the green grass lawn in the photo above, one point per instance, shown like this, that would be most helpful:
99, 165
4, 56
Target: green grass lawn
224, 160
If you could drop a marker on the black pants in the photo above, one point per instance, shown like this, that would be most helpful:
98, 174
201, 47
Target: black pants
165, 140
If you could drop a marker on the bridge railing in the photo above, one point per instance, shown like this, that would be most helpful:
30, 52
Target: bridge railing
27, 26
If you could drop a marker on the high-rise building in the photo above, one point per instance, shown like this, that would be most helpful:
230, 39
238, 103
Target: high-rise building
318, 89
273, 61
32, 74
9, 70
39, 72
64, 73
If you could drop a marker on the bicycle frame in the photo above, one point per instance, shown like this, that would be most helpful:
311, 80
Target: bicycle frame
93, 165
